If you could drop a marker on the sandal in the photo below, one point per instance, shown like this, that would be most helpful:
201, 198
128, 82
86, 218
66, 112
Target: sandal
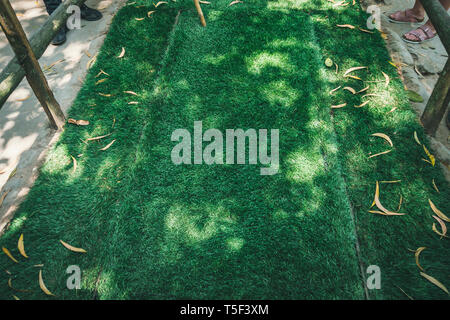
405, 16
422, 34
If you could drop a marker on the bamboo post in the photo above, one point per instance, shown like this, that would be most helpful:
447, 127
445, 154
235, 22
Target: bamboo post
200, 12
13, 73
438, 102
21, 47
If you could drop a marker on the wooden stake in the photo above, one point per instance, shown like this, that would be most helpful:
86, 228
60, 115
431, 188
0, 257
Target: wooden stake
21, 47
438, 102
200, 12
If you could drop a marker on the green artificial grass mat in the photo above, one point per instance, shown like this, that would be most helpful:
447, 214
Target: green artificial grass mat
154, 230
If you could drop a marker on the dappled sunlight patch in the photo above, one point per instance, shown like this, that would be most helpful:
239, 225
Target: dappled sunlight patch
194, 225
215, 60
280, 93
303, 166
285, 43
257, 63
235, 244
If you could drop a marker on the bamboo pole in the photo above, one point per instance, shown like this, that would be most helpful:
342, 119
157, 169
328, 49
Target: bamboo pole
438, 102
200, 12
13, 73
21, 47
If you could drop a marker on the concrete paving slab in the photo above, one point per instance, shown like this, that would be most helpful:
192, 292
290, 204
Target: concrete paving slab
24, 131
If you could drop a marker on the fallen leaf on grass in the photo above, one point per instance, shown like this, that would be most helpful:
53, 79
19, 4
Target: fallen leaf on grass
234, 2
349, 89
353, 77
78, 122
74, 164
105, 94
15, 297
122, 53
362, 104
416, 138
434, 281
339, 106
139, 19
442, 224
384, 136
391, 181
100, 81
417, 254
379, 154
101, 72
15, 289
21, 247
430, 156
6, 251
437, 231
205, 2
72, 248
364, 30
98, 138
337, 67
335, 89
362, 90
435, 186
42, 285
133, 102
345, 26
438, 212
386, 78
150, 13
160, 3
380, 206
328, 62
108, 145
131, 92
353, 69
400, 203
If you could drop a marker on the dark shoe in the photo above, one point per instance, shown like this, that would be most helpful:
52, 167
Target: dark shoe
90, 14
60, 37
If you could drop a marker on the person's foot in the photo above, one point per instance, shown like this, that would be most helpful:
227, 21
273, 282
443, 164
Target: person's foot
90, 14
60, 37
421, 34
406, 16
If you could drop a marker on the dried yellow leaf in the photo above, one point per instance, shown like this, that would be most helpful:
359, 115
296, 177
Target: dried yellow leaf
434, 281
417, 254
108, 145
21, 247
122, 53
353, 69
350, 89
430, 156
6, 251
416, 138
379, 154
339, 106
42, 285
345, 26
386, 78
72, 248
384, 136
435, 186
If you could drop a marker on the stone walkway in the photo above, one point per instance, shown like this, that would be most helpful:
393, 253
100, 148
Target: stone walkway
421, 65
24, 131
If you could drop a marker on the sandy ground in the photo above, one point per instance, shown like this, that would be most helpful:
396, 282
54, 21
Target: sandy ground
24, 131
